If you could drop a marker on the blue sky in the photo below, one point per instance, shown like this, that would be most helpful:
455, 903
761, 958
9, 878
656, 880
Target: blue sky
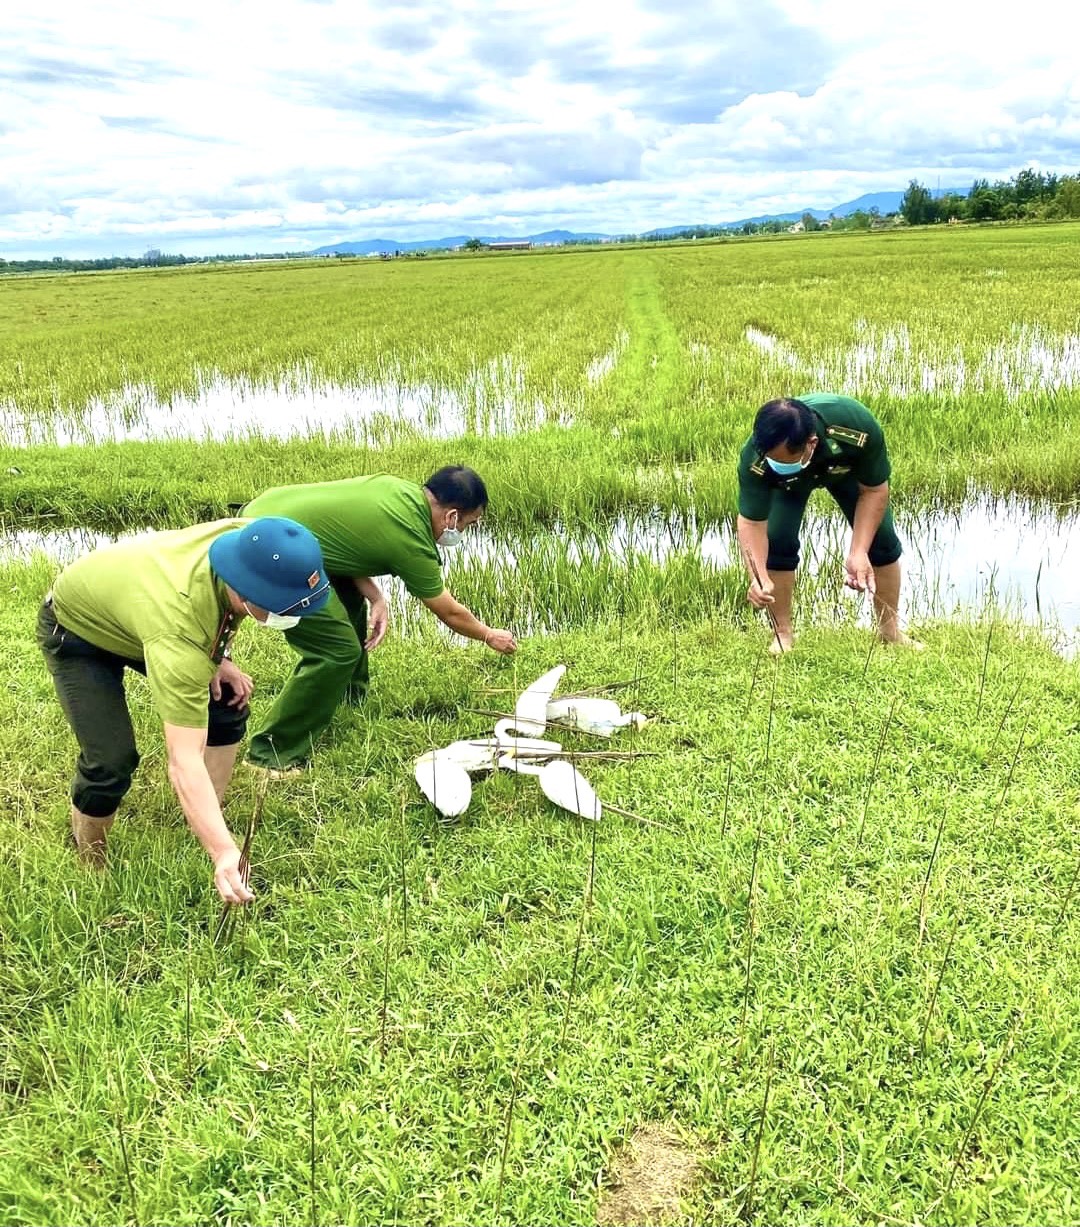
241, 126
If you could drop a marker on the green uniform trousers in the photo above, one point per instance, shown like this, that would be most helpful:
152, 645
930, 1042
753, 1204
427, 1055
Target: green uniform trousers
786, 510
333, 667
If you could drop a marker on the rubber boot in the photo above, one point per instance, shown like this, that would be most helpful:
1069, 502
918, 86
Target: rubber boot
91, 837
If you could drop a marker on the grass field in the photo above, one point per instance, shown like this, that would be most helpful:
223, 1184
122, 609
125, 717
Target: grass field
832, 956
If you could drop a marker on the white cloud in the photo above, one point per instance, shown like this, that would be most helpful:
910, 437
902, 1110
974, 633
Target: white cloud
238, 125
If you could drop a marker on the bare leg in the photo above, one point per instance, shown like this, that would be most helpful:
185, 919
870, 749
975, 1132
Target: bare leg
91, 837
783, 583
887, 605
220, 761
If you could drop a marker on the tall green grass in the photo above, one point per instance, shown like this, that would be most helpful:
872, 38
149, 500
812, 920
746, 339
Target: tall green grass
107, 982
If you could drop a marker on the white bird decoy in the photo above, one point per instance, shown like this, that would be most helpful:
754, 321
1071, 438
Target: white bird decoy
530, 711
562, 784
443, 774
592, 715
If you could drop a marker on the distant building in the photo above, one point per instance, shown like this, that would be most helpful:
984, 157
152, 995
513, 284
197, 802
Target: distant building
511, 245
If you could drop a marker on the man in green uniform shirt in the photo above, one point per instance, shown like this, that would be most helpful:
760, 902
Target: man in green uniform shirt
366, 526
167, 605
797, 446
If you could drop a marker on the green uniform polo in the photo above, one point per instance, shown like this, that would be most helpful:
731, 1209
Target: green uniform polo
366, 526
851, 444
154, 599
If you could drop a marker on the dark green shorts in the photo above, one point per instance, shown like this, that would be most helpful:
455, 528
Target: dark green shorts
786, 511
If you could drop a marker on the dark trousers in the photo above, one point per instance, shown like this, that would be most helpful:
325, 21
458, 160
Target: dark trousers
786, 510
333, 668
89, 683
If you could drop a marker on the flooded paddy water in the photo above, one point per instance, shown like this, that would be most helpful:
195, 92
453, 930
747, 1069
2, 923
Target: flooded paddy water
1013, 558
1010, 555
887, 360
491, 400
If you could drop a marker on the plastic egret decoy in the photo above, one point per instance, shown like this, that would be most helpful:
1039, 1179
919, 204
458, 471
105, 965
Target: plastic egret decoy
444, 774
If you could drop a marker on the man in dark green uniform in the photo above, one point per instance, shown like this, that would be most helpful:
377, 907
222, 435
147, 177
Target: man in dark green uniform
797, 446
365, 526
167, 605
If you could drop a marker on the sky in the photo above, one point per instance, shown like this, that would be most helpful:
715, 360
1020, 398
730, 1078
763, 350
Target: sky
219, 126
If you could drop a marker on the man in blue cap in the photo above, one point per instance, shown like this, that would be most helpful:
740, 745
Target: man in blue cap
167, 605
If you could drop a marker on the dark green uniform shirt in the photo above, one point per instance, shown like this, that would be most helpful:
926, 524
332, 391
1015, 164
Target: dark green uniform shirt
365, 526
850, 443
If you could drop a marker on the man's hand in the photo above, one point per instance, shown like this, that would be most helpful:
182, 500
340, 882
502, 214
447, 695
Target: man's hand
859, 574
502, 642
242, 685
761, 596
378, 623
228, 879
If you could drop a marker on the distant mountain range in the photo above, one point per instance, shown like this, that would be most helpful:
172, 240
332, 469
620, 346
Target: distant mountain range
884, 202
369, 247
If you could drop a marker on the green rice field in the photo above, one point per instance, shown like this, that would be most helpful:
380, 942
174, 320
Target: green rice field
828, 952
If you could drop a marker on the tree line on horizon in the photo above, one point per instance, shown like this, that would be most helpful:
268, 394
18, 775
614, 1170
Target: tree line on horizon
1030, 195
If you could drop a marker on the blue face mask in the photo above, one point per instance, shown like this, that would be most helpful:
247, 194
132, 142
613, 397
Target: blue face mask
790, 468
785, 468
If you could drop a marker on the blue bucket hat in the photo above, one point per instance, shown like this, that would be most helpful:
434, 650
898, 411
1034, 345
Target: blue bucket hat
274, 563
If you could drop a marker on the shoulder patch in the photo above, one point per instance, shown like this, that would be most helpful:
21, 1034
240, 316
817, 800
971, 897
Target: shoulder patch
847, 434
758, 468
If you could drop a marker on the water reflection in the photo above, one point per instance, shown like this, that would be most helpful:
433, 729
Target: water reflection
600, 368
887, 360
492, 401
1010, 555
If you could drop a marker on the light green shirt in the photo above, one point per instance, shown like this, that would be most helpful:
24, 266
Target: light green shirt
366, 526
155, 599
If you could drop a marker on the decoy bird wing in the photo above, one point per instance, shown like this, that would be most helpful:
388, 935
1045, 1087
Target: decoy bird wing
564, 785
445, 784
530, 711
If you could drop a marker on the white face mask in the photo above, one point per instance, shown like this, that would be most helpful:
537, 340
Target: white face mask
450, 536
274, 621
